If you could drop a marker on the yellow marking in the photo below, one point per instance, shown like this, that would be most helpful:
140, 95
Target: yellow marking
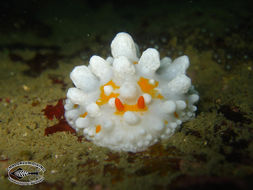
98, 128
146, 87
75, 106
135, 62
83, 115
165, 122
103, 97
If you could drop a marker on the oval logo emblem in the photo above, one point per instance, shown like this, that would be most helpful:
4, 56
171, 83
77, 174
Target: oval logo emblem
26, 173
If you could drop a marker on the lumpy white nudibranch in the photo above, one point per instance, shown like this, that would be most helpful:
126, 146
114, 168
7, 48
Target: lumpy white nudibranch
126, 102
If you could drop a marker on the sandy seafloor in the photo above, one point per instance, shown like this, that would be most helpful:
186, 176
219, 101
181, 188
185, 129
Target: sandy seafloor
41, 42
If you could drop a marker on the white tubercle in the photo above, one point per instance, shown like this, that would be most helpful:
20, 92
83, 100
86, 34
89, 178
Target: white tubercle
149, 62
179, 122
194, 98
84, 79
112, 102
108, 90
180, 104
151, 81
194, 108
158, 124
93, 110
128, 91
166, 61
177, 67
76, 96
109, 60
182, 61
123, 68
72, 115
123, 45
108, 124
131, 118
68, 105
164, 64
101, 68
173, 125
147, 98
128, 104
82, 122
91, 132
179, 85
169, 106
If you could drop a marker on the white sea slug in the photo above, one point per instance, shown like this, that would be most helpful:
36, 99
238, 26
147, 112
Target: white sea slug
128, 103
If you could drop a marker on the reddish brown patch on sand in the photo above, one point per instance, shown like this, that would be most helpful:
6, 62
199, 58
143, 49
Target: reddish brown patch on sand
56, 111
59, 127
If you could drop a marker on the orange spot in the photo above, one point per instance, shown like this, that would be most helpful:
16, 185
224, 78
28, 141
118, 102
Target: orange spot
103, 97
98, 128
84, 115
165, 122
149, 88
141, 102
159, 96
75, 105
176, 115
119, 105
135, 62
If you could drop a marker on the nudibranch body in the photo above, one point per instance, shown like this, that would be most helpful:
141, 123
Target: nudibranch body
128, 103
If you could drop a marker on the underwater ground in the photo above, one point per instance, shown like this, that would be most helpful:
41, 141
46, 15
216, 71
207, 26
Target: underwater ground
42, 41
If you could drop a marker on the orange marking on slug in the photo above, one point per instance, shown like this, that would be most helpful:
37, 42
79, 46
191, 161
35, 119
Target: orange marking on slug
83, 115
103, 97
159, 96
128, 107
98, 128
75, 106
119, 105
176, 115
114, 86
135, 62
165, 122
141, 102
135, 108
146, 87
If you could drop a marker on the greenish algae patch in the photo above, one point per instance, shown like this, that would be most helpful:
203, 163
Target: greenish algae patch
214, 143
